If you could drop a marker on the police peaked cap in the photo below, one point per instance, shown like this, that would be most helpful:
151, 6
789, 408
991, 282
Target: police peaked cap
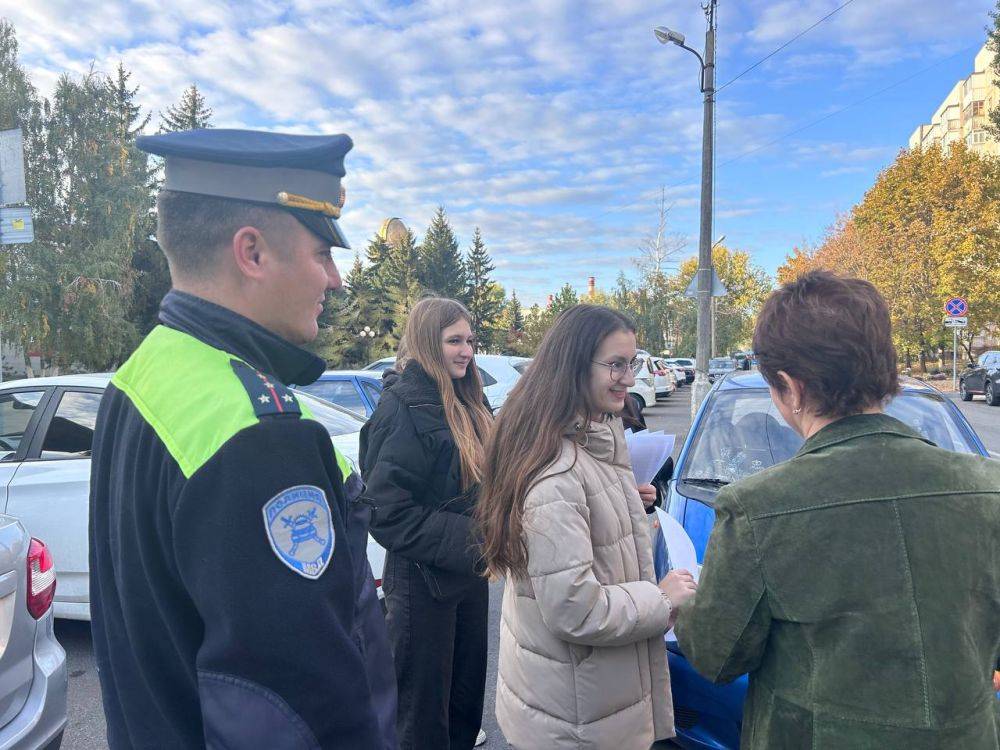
298, 173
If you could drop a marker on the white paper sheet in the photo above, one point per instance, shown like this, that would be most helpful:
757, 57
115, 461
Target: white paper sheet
648, 451
680, 549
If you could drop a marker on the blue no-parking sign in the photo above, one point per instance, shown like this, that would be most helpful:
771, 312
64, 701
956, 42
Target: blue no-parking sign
956, 307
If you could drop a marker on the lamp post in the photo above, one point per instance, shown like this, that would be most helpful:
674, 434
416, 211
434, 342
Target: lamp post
704, 341
366, 335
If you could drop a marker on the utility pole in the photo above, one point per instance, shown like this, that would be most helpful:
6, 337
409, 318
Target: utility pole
704, 276
705, 317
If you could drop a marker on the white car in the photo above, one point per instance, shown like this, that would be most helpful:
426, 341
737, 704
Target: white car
664, 382
499, 372
46, 431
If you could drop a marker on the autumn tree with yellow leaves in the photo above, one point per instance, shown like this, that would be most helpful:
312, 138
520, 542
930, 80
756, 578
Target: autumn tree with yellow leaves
929, 229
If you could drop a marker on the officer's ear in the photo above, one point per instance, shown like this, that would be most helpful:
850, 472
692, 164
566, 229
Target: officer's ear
250, 252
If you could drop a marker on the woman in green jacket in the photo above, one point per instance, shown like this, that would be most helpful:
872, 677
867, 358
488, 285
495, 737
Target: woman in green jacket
859, 582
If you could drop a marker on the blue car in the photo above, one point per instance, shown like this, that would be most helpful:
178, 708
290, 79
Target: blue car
738, 432
357, 390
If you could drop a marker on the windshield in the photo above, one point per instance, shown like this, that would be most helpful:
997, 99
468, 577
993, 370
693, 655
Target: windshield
743, 433
336, 420
722, 363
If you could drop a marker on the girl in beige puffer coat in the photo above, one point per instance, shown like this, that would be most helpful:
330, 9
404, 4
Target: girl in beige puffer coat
582, 658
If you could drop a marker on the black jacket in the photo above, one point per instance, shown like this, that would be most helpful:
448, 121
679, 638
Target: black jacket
203, 635
412, 480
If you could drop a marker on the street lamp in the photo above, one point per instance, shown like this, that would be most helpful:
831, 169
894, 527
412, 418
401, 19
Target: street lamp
366, 335
704, 293
669, 36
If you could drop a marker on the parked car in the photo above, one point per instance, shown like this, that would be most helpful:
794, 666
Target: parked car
738, 432
46, 431
680, 378
720, 366
644, 388
33, 674
356, 390
499, 372
685, 364
742, 360
983, 377
664, 382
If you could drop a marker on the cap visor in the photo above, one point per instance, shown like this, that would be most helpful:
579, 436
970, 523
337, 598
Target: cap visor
323, 226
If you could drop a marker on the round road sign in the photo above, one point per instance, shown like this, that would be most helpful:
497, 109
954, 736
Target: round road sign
956, 307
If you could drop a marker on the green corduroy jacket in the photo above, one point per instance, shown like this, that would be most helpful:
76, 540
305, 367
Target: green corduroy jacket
859, 585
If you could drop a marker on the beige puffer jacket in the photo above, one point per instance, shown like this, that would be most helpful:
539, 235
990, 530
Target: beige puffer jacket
582, 659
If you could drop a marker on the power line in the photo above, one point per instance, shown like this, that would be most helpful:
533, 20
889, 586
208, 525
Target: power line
793, 39
836, 112
795, 131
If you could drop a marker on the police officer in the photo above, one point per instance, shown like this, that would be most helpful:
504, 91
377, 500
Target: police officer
232, 601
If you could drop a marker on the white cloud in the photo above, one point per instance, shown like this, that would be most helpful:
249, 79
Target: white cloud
551, 124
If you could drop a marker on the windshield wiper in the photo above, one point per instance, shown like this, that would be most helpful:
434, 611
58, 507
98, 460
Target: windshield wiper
710, 481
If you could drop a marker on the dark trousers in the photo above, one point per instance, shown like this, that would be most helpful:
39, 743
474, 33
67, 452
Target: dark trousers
440, 652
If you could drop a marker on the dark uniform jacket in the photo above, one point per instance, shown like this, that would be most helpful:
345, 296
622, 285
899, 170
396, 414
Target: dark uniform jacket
232, 601
859, 585
413, 481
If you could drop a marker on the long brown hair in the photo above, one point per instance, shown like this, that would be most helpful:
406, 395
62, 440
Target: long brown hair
551, 397
467, 416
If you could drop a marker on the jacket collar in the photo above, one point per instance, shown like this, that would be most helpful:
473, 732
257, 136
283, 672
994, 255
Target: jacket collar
855, 426
221, 328
417, 386
604, 440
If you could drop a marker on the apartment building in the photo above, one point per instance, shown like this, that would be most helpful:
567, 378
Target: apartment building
964, 114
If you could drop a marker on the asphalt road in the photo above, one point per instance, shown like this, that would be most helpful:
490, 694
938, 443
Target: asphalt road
984, 419
86, 729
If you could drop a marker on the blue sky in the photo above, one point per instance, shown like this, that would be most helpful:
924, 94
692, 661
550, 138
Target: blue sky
552, 124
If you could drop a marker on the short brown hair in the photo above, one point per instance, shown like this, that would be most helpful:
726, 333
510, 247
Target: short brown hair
191, 229
832, 333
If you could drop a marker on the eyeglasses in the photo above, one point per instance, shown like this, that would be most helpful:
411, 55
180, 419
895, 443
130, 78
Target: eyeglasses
618, 368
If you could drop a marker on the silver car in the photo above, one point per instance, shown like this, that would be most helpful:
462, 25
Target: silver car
33, 679
719, 366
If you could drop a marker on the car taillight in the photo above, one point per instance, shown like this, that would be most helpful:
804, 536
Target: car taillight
41, 579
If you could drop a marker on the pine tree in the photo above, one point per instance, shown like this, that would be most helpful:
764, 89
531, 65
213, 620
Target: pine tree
366, 310
441, 270
189, 113
516, 313
102, 199
563, 300
335, 339
510, 327
484, 296
149, 272
377, 286
401, 285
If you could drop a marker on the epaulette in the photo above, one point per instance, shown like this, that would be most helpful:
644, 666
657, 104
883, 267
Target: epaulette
268, 396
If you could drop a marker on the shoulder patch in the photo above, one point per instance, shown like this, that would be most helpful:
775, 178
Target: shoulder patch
267, 395
300, 529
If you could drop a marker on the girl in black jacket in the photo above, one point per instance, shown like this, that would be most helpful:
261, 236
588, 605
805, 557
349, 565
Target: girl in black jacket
421, 458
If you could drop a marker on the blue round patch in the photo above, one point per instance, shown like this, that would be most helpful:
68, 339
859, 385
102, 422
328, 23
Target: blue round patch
300, 529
